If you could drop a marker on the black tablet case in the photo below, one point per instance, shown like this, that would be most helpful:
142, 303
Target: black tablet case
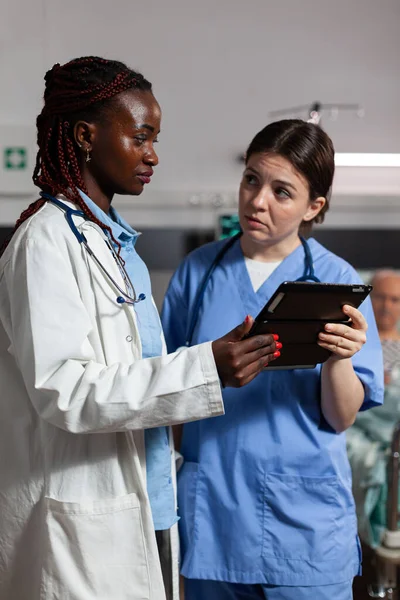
298, 311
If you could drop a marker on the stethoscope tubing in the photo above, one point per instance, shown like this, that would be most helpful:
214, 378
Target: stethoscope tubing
69, 214
308, 275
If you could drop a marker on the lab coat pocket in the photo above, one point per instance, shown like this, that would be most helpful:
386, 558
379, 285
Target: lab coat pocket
301, 517
95, 549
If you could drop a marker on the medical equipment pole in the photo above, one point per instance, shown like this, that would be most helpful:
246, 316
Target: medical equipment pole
393, 481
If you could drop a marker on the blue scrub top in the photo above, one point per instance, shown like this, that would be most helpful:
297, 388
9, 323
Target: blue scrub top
158, 454
265, 491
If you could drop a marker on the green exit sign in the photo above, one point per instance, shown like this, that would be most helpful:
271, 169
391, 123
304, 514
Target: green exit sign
15, 158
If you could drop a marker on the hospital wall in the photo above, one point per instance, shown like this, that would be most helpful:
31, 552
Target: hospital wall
219, 67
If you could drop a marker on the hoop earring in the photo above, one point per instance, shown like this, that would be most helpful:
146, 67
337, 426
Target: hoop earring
88, 157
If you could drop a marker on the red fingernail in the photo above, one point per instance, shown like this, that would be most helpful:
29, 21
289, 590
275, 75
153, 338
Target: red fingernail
276, 337
266, 365
247, 319
278, 345
277, 354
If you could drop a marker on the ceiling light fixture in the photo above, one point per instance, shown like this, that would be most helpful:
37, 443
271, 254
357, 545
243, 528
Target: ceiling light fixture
365, 159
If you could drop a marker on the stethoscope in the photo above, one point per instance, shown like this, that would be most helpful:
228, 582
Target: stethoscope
308, 275
130, 297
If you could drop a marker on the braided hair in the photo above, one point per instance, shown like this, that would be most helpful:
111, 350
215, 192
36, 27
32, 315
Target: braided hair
82, 89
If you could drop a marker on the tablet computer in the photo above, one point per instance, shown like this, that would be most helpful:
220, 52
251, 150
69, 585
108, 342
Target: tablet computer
298, 311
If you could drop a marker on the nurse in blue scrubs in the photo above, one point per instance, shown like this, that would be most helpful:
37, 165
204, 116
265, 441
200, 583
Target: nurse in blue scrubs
265, 491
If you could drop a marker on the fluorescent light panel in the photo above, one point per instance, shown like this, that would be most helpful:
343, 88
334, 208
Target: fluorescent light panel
350, 159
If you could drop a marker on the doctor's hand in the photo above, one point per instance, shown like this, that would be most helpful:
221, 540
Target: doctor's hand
343, 340
239, 361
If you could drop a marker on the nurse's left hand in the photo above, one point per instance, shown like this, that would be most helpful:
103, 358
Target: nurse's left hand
344, 340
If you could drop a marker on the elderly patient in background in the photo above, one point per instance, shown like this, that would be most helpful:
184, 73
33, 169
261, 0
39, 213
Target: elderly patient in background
369, 439
386, 303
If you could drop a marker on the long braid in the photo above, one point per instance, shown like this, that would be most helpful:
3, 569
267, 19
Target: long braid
77, 90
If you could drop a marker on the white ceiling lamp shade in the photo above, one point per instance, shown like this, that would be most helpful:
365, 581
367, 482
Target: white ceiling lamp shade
364, 159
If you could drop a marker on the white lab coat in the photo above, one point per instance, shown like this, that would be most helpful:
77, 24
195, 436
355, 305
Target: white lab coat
75, 519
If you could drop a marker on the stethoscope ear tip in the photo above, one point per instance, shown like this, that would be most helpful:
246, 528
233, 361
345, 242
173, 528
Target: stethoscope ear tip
122, 300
